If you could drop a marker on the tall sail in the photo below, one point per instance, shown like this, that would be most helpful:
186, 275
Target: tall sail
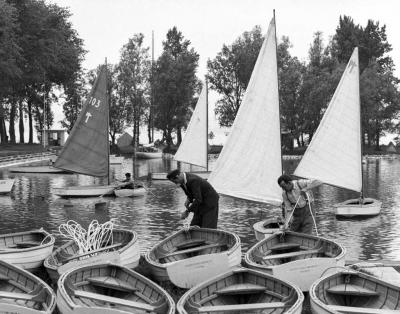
250, 161
193, 149
334, 154
87, 148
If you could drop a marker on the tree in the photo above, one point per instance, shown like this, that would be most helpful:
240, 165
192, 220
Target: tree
174, 85
230, 72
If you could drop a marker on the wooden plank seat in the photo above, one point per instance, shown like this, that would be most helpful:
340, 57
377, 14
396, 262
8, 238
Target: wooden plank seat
38, 297
349, 289
292, 254
26, 244
241, 307
361, 310
198, 248
77, 256
284, 246
112, 283
190, 243
114, 300
4, 277
242, 288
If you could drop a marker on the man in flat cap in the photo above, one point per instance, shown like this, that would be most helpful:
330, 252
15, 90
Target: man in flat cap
202, 199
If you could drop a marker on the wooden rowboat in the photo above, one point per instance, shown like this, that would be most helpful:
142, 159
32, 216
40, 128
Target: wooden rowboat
353, 207
6, 185
296, 257
139, 191
265, 228
124, 250
37, 169
23, 293
26, 249
109, 288
84, 191
354, 292
242, 291
188, 257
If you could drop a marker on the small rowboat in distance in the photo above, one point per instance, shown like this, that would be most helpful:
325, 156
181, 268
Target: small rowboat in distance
365, 207
186, 258
6, 185
37, 169
296, 257
108, 288
24, 293
354, 292
265, 228
242, 291
84, 191
26, 249
139, 191
124, 250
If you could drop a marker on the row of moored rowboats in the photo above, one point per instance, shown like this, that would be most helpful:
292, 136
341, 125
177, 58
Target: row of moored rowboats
208, 263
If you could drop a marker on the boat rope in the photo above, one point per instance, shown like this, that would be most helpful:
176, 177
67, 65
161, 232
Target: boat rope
96, 236
45, 238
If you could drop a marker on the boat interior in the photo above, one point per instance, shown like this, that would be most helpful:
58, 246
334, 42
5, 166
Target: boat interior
24, 240
192, 243
114, 287
357, 293
15, 288
242, 291
287, 247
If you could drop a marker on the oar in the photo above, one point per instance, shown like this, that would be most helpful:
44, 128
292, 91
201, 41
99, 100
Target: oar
146, 188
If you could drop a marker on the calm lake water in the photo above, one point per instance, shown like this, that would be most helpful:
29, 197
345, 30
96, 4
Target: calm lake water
155, 215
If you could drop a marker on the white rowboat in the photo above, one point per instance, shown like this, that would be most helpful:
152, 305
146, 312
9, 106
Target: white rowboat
6, 185
139, 191
84, 191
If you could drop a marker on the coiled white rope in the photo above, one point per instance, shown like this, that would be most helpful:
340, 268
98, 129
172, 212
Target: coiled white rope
94, 238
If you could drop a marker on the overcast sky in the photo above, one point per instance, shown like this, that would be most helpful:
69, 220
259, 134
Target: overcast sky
106, 25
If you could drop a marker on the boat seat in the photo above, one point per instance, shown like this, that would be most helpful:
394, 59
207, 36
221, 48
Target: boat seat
4, 277
242, 288
190, 243
292, 254
238, 307
39, 297
114, 300
361, 310
113, 246
198, 248
24, 244
112, 283
284, 246
349, 289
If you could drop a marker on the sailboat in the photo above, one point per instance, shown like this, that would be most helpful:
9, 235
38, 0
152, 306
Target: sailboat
334, 155
194, 147
87, 148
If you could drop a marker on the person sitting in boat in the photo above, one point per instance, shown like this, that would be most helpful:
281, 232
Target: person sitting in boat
297, 202
202, 199
127, 183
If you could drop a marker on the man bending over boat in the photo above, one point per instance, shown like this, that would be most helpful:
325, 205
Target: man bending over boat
202, 199
297, 202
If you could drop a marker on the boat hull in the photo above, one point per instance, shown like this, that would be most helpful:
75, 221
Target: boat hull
84, 191
26, 250
148, 155
353, 208
37, 169
240, 291
265, 228
295, 257
216, 251
6, 186
23, 292
366, 294
127, 254
116, 160
94, 282
130, 192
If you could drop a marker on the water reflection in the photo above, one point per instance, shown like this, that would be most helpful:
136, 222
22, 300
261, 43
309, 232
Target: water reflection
156, 214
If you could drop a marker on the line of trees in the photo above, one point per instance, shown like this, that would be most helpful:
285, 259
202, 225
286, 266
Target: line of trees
41, 53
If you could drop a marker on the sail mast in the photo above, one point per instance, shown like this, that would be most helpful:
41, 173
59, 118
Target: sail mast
361, 132
206, 124
108, 123
279, 105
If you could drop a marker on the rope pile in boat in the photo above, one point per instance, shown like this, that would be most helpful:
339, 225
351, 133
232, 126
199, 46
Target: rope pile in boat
94, 238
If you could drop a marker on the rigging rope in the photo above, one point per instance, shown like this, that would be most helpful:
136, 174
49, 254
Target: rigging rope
96, 236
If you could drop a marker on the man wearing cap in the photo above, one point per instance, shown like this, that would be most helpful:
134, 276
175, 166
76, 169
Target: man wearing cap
202, 199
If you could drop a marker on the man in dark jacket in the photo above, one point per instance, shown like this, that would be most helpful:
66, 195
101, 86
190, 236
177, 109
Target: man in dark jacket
202, 199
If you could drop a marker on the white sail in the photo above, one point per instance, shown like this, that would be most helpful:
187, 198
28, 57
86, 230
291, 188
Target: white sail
250, 162
334, 154
193, 149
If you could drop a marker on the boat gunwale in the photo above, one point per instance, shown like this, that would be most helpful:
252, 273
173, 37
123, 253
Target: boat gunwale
33, 248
